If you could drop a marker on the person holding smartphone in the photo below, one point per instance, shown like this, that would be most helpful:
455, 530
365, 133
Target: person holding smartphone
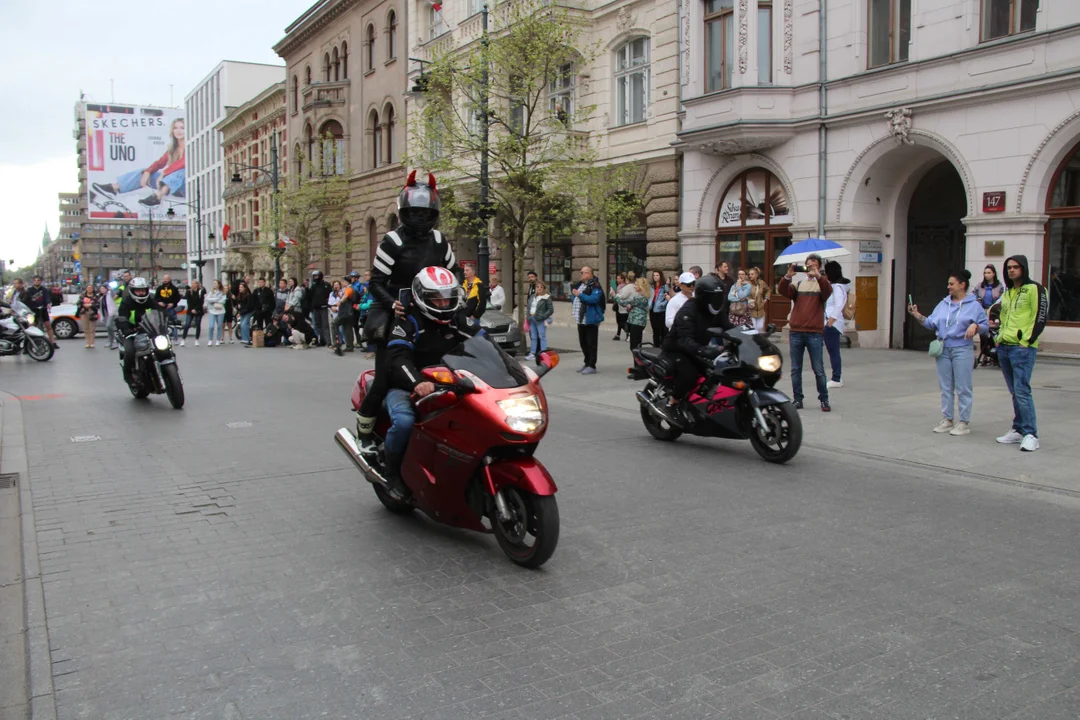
807, 324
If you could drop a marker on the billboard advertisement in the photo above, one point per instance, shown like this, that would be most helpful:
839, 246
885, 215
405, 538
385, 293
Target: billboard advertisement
135, 161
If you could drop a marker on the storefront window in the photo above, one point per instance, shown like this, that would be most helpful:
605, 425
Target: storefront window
629, 251
1063, 242
558, 256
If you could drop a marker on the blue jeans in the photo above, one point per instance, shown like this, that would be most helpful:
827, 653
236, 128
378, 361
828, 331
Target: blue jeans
245, 327
832, 344
954, 370
402, 418
813, 342
129, 182
1017, 364
216, 327
538, 333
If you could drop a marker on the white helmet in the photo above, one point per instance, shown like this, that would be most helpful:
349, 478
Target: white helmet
139, 290
436, 293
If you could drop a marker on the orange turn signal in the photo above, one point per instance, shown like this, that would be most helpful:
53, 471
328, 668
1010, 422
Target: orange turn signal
739, 385
443, 376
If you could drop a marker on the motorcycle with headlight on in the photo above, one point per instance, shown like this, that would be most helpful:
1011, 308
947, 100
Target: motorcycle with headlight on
155, 365
469, 462
735, 398
19, 334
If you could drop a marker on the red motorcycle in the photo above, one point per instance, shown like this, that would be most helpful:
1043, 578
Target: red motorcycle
470, 459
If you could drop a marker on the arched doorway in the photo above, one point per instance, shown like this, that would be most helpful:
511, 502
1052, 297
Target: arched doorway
753, 227
935, 246
1062, 247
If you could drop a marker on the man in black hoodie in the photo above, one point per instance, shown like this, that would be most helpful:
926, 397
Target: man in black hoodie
264, 299
319, 290
166, 299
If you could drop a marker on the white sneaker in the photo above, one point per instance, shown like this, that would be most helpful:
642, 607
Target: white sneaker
182, 343
1030, 443
944, 426
530, 357
196, 343
1012, 438
961, 429
218, 342
835, 383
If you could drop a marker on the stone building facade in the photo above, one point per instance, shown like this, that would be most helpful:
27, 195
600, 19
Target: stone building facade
248, 135
345, 78
633, 84
944, 135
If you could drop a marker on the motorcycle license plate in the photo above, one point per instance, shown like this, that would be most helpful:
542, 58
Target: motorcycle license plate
500, 338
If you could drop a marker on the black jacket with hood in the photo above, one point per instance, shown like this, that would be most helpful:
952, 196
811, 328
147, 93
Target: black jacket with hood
1024, 309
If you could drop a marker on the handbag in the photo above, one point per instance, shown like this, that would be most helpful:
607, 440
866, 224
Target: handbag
739, 308
936, 348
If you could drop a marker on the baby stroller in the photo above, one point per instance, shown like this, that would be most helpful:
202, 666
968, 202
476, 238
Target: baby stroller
988, 343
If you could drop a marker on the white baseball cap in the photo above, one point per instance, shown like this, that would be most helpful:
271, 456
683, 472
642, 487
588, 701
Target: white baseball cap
687, 278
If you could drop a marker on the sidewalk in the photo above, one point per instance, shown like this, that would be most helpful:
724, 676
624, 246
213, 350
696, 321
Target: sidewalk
887, 408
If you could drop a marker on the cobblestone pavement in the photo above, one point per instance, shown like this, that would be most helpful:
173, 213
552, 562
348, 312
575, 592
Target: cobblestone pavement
226, 561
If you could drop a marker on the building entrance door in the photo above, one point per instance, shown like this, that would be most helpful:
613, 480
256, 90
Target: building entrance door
935, 246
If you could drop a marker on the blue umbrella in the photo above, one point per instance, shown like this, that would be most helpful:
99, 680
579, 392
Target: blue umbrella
798, 252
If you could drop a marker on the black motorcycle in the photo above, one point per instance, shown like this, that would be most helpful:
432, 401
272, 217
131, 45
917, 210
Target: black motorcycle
19, 334
155, 365
736, 397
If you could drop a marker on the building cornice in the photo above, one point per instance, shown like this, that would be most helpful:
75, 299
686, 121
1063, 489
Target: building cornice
315, 19
238, 113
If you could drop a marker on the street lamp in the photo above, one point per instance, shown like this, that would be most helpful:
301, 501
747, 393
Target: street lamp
482, 209
272, 168
170, 213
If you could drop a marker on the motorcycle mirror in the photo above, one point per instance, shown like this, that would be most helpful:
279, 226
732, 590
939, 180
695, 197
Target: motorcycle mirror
546, 362
466, 384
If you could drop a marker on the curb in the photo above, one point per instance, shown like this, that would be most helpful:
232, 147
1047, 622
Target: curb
39, 690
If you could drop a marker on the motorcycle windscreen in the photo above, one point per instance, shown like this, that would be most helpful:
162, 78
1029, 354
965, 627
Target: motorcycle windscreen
488, 362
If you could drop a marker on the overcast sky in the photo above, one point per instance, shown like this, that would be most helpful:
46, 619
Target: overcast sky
50, 51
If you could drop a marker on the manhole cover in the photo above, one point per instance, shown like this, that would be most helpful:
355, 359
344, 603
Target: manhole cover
8, 480
85, 438
242, 423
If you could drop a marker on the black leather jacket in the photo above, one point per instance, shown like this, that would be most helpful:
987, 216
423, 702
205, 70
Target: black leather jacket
689, 332
400, 256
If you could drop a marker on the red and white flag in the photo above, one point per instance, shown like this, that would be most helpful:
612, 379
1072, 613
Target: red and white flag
225, 233
285, 241
436, 4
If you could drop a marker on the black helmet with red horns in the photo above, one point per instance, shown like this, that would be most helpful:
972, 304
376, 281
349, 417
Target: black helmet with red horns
418, 204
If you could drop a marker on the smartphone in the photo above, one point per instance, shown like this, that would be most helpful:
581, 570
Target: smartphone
404, 297
910, 302
800, 268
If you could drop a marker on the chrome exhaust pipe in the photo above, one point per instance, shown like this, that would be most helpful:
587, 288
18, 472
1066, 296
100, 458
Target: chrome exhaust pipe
647, 403
348, 445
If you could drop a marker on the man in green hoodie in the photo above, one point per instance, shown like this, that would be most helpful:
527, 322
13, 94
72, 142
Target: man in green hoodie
1024, 307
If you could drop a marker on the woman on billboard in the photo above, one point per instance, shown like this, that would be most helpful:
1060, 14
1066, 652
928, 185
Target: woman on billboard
166, 175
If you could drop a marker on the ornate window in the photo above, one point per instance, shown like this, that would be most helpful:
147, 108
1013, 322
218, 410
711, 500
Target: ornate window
326, 67
369, 48
435, 22
754, 198
632, 81
307, 75
337, 64
295, 95
344, 61
764, 42
719, 44
1001, 18
391, 35
388, 125
561, 95
889, 31
332, 138
376, 139
1062, 246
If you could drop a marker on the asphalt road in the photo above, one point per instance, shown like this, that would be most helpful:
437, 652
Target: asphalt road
226, 561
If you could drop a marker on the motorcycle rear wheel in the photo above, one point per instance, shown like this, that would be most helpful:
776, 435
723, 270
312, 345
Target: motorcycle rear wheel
39, 349
784, 420
535, 516
174, 386
658, 427
398, 507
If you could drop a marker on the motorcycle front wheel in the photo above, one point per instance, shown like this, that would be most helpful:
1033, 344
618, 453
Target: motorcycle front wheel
39, 349
530, 535
781, 439
139, 393
174, 387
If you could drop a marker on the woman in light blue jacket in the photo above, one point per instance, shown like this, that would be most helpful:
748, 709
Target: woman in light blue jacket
738, 307
956, 320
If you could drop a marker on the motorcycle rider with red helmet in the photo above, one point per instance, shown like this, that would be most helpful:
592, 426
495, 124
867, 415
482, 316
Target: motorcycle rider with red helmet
401, 254
431, 326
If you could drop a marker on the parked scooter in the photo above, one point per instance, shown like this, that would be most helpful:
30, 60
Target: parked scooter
470, 459
734, 399
19, 334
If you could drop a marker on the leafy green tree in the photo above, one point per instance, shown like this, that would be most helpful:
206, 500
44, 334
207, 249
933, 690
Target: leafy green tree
545, 170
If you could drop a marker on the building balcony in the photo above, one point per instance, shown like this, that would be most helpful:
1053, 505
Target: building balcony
743, 120
325, 95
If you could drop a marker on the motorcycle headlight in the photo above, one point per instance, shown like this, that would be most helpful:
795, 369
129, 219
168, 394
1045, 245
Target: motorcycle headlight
161, 342
523, 414
769, 363
30, 319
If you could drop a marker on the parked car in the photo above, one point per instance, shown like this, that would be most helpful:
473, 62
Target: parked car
66, 326
503, 329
